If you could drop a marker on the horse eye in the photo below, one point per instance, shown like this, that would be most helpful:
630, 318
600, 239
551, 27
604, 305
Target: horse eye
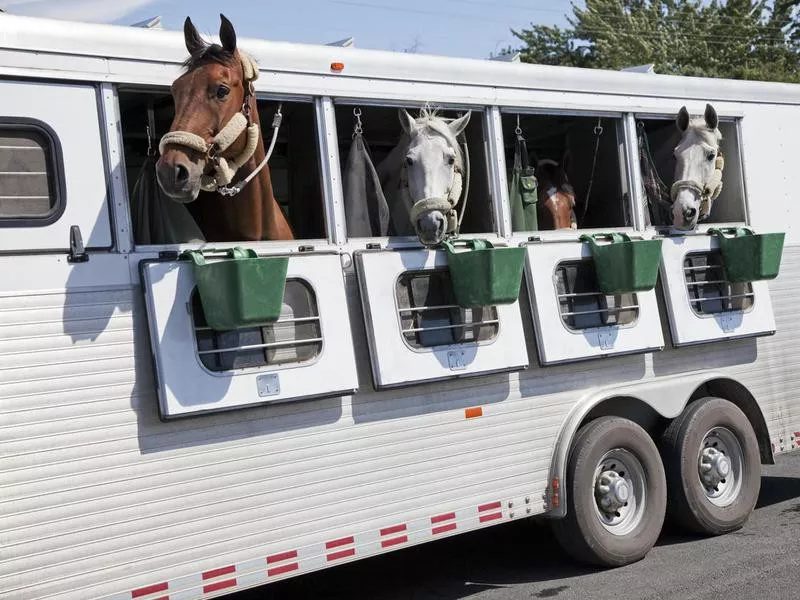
409, 161
710, 156
222, 92
451, 160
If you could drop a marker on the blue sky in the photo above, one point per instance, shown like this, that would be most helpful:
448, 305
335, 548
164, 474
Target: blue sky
470, 28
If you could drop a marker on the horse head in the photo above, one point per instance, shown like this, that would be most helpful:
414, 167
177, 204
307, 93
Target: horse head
698, 168
556, 194
215, 129
434, 167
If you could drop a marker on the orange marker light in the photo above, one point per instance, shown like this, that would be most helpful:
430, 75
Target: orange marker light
471, 413
555, 499
337, 67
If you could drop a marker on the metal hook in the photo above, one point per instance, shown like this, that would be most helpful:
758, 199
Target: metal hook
598, 130
518, 130
357, 129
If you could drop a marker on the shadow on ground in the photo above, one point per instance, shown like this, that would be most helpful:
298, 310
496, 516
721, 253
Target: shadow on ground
465, 565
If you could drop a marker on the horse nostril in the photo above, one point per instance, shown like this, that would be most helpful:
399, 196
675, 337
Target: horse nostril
689, 213
181, 174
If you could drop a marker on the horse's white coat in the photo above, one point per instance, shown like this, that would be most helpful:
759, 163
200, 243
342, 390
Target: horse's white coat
695, 162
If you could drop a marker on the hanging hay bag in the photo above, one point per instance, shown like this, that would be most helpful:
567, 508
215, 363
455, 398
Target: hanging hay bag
624, 266
483, 275
241, 290
748, 256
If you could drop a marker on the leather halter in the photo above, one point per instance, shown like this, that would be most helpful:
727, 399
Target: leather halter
708, 192
224, 169
447, 206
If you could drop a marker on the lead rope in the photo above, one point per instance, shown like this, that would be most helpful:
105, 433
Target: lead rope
233, 190
598, 132
466, 182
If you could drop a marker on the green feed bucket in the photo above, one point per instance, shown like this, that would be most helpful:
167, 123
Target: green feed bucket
241, 290
748, 256
624, 266
483, 275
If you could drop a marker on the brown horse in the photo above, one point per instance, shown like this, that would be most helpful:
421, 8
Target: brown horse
210, 139
556, 194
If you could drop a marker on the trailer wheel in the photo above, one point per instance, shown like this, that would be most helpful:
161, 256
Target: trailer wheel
713, 467
616, 494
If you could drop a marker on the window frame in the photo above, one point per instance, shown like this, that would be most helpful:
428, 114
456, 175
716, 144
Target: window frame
327, 203
425, 349
485, 111
562, 264
734, 117
626, 174
55, 172
266, 367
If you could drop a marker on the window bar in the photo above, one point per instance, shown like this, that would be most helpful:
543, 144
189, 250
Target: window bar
599, 311
720, 298
458, 326
262, 346
279, 322
427, 308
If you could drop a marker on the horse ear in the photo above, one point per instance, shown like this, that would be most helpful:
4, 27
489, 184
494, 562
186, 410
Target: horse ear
406, 120
194, 43
227, 34
712, 120
683, 119
459, 125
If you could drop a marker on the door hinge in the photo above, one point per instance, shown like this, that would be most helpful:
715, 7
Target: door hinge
77, 252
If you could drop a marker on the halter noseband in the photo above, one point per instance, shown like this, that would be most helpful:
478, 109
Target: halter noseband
708, 192
224, 169
447, 206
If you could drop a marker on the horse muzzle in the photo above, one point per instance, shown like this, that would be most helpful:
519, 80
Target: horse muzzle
433, 219
178, 177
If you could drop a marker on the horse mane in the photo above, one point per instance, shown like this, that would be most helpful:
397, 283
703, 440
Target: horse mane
430, 122
211, 53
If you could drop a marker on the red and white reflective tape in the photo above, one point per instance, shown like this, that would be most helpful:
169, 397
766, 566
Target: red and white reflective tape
292, 561
393, 536
341, 548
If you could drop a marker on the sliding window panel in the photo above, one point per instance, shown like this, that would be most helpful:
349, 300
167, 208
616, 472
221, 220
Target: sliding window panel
306, 353
418, 333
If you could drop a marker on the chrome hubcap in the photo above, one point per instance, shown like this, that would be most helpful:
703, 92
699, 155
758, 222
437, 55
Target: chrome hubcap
619, 491
720, 464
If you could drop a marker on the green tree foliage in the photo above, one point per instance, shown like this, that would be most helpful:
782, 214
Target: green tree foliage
737, 39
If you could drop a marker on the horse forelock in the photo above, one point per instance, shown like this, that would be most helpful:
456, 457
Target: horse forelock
430, 124
210, 54
698, 130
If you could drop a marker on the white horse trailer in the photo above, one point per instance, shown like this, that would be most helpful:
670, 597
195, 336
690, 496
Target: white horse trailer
144, 456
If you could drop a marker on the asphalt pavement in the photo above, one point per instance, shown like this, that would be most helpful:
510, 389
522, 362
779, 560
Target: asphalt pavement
522, 560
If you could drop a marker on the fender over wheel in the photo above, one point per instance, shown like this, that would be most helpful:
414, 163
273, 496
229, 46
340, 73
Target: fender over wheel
616, 494
713, 467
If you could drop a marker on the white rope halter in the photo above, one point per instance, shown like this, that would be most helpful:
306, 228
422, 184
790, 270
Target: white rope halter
447, 206
708, 192
225, 169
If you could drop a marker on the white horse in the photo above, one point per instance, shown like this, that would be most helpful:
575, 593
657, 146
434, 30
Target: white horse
423, 176
698, 168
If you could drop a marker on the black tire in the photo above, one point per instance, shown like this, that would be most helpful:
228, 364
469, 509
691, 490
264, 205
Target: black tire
681, 444
581, 532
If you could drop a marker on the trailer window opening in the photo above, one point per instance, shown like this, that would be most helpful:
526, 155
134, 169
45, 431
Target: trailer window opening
709, 292
294, 168
31, 174
382, 133
570, 160
294, 339
429, 315
583, 306
662, 136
